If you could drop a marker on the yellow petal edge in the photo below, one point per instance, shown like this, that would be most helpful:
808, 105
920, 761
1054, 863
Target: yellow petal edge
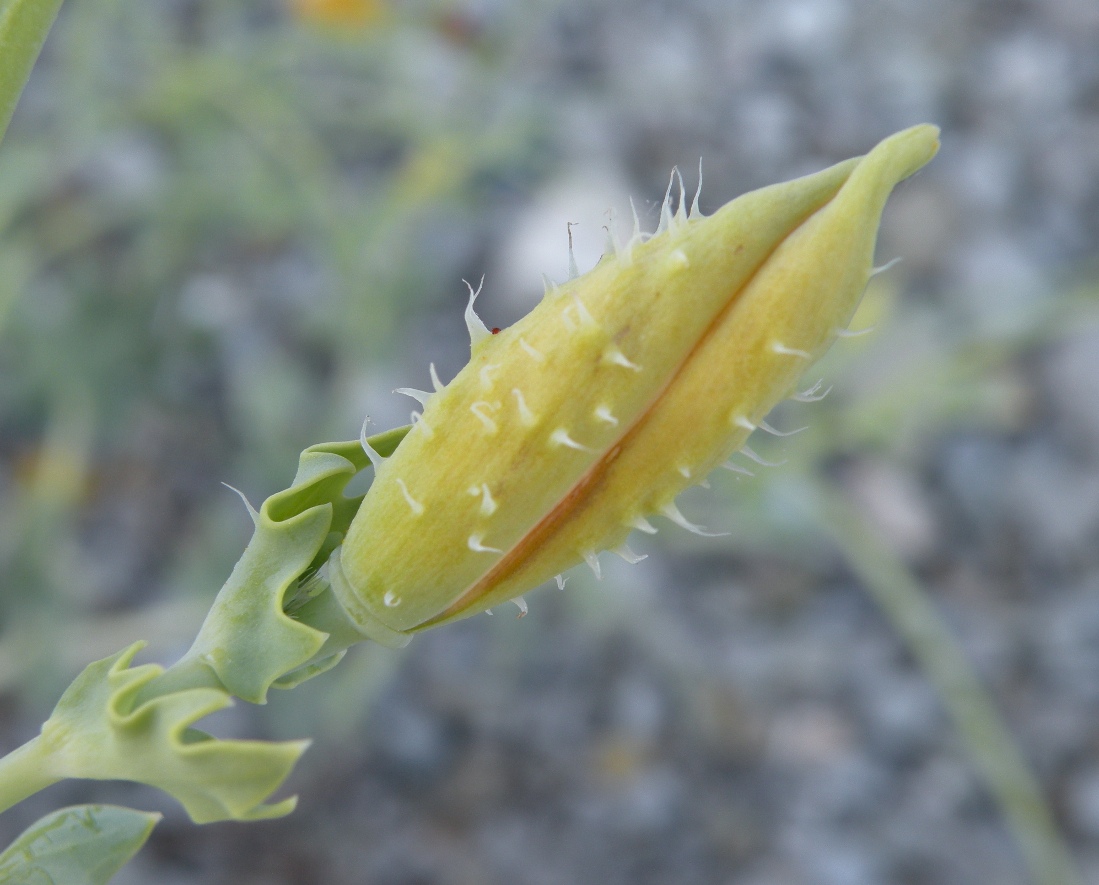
619, 390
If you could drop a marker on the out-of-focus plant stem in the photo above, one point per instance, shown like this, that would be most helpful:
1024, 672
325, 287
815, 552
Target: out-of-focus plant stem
23, 772
982, 729
24, 25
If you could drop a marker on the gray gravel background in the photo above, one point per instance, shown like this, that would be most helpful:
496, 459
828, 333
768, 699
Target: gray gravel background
739, 713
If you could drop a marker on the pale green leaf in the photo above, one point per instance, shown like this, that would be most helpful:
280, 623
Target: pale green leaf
23, 28
102, 728
81, 845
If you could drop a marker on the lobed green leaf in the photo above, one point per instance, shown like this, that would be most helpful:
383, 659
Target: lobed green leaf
103, 729
248, 639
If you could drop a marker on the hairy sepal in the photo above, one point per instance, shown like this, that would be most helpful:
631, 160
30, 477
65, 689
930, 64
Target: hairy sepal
622, 388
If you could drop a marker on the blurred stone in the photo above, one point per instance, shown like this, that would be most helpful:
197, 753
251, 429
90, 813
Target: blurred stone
895, 503
808, 735
729, 729
985, 170
128, 165
412, 742
831, 857
1068, 651
1072, 373
973, 468
941, 788
212, 302
1083, 800
1056, 502
478, 784
848, 788
919, 224
638, 710
902, 714
1001, 278
1031, 70
649, 803
767, 121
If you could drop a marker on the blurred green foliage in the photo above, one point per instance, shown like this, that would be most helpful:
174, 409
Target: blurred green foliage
216, 218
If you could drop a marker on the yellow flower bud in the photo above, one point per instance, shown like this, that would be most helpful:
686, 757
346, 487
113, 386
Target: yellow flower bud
621, 389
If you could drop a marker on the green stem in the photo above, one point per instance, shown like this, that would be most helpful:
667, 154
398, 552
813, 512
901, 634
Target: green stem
23, 772
24, 25
969, 704
323, 612
185, 673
